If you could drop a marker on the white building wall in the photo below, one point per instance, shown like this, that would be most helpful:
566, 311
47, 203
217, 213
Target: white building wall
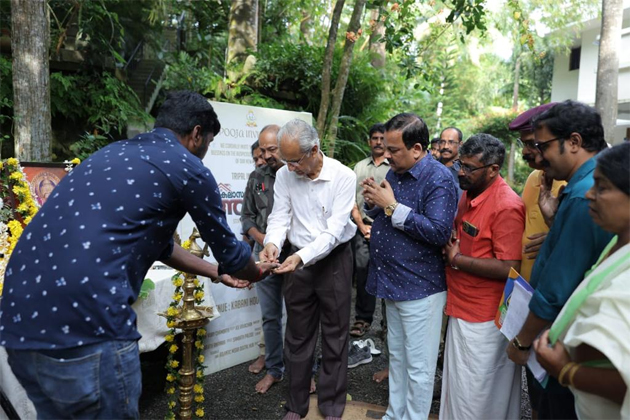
564, 82
581, 84
588, 67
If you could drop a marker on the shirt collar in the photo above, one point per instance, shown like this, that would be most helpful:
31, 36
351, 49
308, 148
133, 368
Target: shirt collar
171, 137
416, 169
385, 162
583, 171
169, 134
487, 192
326, 174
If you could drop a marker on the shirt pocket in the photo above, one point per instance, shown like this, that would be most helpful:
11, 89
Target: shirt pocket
324, 202
262, 199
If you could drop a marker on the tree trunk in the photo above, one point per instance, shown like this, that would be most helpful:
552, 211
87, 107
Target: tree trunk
517, 80
30, 43
344, 71
512, 155
305, 28
608, 66
242, 35
259, 20
377, 49
327, 68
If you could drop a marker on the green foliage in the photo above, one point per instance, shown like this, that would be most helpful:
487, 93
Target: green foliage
188, 72
101, 101
497, 124
88, 144
6, 94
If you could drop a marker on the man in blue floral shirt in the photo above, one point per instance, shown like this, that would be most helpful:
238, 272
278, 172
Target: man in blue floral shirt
413, 211
66, 318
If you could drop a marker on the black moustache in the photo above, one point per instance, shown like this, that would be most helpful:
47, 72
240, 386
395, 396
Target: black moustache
529, 158
446, 150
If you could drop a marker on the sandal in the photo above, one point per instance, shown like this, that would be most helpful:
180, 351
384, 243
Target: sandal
359, 328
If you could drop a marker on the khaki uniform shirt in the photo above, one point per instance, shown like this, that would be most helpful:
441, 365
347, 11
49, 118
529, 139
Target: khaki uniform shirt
364, 169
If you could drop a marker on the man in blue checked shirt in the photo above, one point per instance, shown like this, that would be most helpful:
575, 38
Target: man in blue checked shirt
66, 318
413, 211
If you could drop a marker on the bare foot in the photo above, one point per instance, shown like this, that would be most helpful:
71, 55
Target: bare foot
380, 376
258, 365
313, 386
265, 383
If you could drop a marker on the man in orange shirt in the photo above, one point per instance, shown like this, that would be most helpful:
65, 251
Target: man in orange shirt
478, 379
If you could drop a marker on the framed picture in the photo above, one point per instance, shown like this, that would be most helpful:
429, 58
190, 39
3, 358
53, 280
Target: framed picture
43, 178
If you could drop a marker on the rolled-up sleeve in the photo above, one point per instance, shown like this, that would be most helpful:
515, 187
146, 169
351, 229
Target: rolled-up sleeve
343, 203
202, 200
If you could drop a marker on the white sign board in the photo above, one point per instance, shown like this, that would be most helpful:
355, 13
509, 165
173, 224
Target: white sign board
233, 338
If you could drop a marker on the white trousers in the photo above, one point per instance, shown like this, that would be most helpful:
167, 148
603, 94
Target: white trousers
479, 381
413, 337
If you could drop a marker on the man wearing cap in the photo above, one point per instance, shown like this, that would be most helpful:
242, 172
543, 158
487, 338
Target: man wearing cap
535, 227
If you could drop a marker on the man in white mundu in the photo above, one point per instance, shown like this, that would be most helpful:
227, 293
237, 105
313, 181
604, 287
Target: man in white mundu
479, 381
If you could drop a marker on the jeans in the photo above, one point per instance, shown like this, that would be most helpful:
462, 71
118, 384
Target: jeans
413, 336
101, 380
270, 297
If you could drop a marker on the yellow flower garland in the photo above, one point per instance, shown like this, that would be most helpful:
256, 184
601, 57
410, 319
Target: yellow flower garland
172, 365
13, 180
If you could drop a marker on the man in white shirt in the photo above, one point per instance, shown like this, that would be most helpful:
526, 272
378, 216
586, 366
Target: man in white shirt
313, 198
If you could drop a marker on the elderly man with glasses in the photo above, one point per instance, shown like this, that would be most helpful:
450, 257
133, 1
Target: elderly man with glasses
313, 198
478, 380
567, 136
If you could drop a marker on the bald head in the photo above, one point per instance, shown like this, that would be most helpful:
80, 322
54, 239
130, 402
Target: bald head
268, 140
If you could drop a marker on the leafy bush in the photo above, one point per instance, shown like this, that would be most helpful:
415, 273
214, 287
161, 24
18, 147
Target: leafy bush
497, 124
88, 144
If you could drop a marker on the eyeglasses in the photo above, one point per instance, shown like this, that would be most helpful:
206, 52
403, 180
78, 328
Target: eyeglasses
450, 142
544, 145
469, 170
527, 144
295, 163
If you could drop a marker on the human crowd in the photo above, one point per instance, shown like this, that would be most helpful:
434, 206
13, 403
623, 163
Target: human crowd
430, 227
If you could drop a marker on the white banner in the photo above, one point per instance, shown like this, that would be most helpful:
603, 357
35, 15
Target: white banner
233, 338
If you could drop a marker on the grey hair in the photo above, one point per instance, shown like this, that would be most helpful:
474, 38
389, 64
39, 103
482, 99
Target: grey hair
299, 130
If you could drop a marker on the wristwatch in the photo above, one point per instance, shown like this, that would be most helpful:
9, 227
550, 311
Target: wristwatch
518, 345
389, 210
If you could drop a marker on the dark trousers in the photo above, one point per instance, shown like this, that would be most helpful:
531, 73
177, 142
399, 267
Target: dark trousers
552, 402
320, 293
365, 303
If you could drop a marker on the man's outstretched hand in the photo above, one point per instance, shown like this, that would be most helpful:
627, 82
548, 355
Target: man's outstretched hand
232, 282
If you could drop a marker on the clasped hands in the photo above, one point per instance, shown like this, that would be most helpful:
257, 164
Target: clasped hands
377, 195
